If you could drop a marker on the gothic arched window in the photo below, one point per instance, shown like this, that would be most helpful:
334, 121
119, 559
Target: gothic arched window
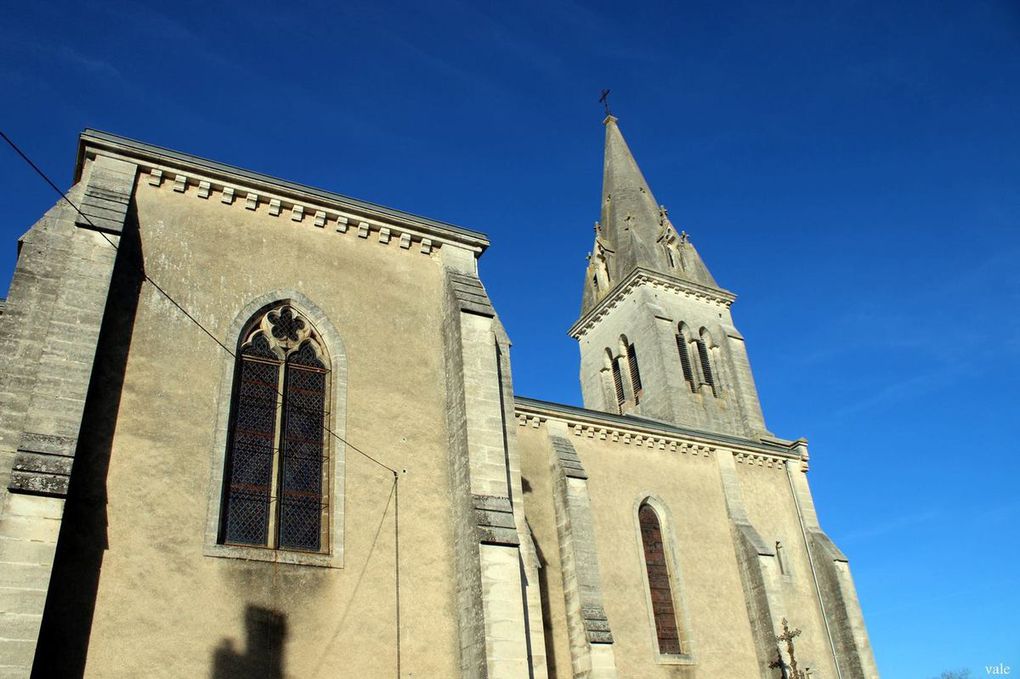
705, 350
614, 365
275, 493
683, 347
627, 349
635, 374
660, 583
706, 364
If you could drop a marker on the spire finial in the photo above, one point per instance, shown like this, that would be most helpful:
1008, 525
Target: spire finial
604, 100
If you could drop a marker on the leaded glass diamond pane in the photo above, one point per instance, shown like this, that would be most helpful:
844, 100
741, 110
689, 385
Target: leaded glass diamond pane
666, 630
301, 471
251, 453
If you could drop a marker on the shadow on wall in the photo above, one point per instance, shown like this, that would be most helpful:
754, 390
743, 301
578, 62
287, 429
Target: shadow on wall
70, 602
547, 630
265, 632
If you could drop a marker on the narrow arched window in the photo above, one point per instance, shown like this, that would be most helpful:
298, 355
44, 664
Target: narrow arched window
660, 587
635, 374
276, 452
684, 349
706, 364
706, 351
618, 381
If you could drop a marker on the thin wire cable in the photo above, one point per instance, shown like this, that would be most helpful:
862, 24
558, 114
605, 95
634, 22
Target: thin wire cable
396, 549
187, 314
165, 294
39, 172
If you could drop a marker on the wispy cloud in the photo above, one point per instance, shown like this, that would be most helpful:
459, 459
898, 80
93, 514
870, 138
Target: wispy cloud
920, 338
62, 55
923, 602
901, 390
895, 524
84, 62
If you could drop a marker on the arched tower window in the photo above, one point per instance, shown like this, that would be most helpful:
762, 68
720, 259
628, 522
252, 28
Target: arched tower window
277, 452
614, 364
704, 347
683, 347
660, 585
627, 349
706, 364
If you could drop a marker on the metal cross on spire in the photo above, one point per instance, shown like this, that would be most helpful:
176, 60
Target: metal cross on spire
604, 100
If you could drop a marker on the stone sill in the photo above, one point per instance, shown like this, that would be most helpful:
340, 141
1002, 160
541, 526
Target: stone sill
272, 556
682, 659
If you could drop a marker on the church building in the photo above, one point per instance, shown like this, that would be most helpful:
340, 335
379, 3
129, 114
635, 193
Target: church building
250, 428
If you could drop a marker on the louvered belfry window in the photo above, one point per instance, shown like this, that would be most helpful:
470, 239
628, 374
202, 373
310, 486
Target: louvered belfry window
618, 382
666, 631
706, 366
685, 359
273, 494
635, 374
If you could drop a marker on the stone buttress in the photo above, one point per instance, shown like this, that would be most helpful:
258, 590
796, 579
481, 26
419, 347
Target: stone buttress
49, 338
498, 597
591, 639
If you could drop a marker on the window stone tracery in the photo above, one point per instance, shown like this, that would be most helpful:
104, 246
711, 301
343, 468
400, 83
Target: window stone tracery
275, 482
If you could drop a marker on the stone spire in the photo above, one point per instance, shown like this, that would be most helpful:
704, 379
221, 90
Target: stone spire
634, 231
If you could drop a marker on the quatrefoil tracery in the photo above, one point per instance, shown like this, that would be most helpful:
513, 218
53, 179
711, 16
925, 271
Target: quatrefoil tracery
285, 330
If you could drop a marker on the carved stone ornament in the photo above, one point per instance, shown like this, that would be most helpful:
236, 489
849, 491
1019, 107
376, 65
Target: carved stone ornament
284, 330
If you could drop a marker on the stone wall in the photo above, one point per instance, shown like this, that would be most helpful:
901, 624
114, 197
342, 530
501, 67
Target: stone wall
648, 312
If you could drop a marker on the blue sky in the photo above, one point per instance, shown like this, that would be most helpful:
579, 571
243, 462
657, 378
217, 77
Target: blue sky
850, 169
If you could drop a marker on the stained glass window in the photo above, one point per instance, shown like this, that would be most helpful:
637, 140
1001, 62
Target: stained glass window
301, 455
666, 631
273, 495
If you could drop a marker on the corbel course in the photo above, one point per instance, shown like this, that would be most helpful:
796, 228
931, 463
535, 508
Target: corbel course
277, 205
258, 189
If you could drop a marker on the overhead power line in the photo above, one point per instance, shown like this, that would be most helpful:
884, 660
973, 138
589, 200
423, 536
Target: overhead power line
208, 333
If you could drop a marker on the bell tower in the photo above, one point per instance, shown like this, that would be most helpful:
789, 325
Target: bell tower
655, 332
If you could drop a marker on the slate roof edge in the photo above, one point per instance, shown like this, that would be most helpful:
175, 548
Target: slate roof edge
131, 148
771, 446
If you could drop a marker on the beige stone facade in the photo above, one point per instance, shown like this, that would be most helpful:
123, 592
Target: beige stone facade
461, 531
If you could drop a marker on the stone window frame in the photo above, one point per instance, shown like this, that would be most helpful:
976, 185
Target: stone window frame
611, 372
677, 589
687, 339
684, 342
618, 365
706, 340
336, 448
628, 356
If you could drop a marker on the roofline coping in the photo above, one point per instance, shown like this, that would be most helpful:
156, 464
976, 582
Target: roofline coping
770, 446
159, 156
641, 275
